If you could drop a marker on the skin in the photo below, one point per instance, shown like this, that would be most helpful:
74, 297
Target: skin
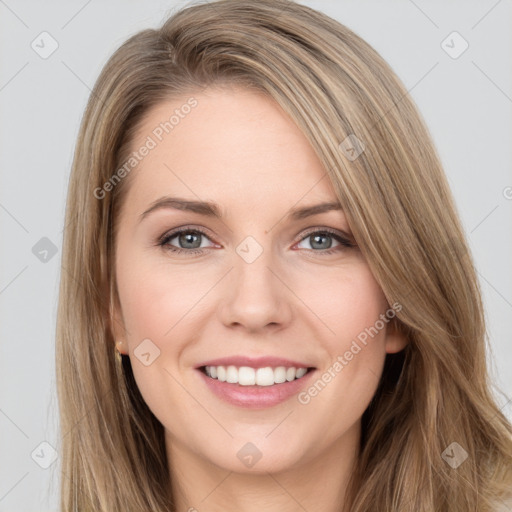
239, 149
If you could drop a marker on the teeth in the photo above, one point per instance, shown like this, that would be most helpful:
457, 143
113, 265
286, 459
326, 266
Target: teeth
247, 376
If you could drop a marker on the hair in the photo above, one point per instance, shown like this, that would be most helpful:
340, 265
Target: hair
333, 85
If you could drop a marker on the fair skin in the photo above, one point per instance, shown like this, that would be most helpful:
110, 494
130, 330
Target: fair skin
238, 149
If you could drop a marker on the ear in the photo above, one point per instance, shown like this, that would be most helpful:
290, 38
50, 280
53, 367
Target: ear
396, 340
116, 324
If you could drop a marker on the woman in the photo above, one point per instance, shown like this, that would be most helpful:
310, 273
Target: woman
250, 371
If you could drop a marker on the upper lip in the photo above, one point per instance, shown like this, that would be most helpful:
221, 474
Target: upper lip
254, 362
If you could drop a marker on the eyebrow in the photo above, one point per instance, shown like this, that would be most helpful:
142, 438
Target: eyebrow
210, 209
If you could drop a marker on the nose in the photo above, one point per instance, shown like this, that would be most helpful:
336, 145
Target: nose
255, 295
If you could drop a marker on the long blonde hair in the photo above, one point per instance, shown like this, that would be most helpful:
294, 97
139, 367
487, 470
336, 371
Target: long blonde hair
336, 88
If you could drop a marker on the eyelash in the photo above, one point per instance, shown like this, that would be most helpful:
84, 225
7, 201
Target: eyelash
163, 241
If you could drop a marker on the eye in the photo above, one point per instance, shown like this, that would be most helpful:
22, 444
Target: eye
320, 241
190, 240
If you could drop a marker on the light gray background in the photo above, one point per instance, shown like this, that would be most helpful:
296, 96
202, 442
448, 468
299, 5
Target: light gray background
466, 102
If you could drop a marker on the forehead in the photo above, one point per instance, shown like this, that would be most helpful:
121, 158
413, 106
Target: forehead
225, 144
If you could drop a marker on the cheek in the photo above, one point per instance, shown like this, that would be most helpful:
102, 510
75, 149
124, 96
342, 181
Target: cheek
155, 299
352, 309
157, 305
349, 303
160, 304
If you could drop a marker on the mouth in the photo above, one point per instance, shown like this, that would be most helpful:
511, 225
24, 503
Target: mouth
247, 376
255, 387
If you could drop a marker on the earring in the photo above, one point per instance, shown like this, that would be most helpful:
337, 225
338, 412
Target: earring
118, 350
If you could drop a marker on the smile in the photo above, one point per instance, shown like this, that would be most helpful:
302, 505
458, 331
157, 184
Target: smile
248, 376
255, 388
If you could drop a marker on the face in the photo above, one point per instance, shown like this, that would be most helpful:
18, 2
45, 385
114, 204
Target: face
254, 282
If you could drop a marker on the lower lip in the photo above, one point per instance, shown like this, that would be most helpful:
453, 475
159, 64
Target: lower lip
256, 397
